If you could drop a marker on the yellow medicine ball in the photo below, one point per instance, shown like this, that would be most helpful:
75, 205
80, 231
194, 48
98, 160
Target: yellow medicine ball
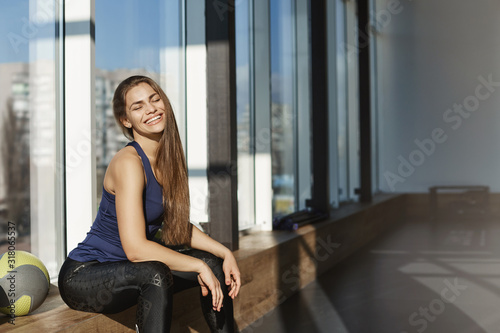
24, 283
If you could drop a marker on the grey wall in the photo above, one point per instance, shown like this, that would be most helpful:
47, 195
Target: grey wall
431, 56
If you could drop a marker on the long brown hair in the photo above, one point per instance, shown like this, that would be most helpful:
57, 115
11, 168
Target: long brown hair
170, 165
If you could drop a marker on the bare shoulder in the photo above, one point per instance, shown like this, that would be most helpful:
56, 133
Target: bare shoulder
125, 165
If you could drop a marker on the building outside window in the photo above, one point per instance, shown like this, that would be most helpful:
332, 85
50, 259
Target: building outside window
31, 171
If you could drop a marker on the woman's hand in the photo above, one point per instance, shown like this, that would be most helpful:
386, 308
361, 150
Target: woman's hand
209, 282
203, 242
232, 274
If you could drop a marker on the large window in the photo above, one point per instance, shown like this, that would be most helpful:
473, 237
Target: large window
344, 108
290, 104
352, 112
343, 56
273, 109
31, 168
126, 46
164, 40
245, 113
283, 105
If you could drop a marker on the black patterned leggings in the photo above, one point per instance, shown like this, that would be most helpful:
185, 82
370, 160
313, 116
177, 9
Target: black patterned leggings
112, 287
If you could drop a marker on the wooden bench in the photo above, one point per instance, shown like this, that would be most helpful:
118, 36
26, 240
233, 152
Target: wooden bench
55, 316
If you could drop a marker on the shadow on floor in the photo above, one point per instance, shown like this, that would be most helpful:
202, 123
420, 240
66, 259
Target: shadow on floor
421, 276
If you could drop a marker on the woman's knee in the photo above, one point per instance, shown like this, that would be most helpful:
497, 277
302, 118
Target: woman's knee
155, 273
214, 262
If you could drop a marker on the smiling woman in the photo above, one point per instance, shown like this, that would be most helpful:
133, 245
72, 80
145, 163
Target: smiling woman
121, 262
137, 100
145, 107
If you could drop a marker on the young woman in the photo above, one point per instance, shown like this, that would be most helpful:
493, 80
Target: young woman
121, 263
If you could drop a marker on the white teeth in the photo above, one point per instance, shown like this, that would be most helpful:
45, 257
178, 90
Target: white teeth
152, 119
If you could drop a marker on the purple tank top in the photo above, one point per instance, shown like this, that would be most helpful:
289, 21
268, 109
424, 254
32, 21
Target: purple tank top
103, 240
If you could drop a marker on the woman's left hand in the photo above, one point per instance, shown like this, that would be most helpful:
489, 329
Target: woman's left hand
232, 275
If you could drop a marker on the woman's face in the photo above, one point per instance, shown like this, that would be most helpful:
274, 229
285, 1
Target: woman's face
145, 111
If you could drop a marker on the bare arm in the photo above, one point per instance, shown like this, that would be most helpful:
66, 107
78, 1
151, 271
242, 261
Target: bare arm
202, 241
128, 185
127, 177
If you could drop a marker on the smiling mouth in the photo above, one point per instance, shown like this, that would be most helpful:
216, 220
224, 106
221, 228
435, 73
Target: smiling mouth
153, 120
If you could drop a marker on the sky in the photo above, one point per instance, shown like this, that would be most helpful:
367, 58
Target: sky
127, 32
123, 29
130, 34
13, 43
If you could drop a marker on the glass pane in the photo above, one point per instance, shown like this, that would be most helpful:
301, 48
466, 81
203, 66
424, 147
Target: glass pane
282, 105
353, 158
342, 51
126, 46
245, 115
31, 189
303, 105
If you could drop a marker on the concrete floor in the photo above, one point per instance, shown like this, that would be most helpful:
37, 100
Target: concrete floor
419, 277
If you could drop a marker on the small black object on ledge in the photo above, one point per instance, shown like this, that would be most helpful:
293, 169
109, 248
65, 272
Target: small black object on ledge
298, 219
